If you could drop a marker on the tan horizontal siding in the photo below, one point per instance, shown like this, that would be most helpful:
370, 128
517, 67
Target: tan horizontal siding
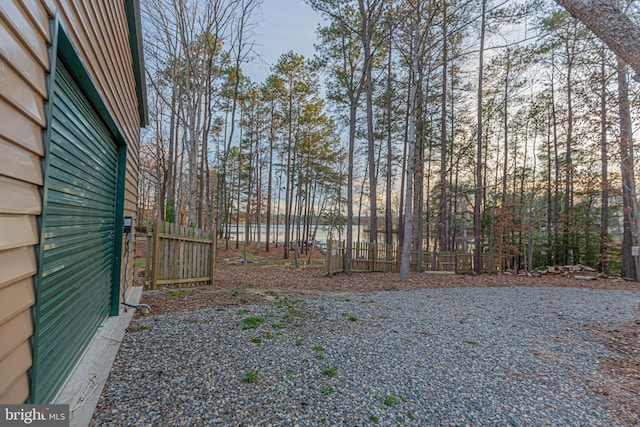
18, 93
16, 54
107, 33
14, 365
19, 197
14, 336
16, 298
24, 31
108, 64
14, 332
18, 230
17, 19
17, 264
16, 392
19, 129
19, 163
38, 16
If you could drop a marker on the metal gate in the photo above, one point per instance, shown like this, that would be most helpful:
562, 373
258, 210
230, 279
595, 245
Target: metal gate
77, 246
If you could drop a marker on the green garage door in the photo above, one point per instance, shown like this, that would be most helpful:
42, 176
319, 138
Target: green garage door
76, 260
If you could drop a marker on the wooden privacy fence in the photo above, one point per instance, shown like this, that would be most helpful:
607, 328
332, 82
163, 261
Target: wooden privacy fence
180, 256
370, 256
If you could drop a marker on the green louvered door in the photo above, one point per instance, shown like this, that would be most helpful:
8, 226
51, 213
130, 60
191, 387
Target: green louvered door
73, 295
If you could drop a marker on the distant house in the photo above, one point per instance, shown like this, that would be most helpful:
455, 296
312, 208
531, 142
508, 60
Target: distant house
72, 101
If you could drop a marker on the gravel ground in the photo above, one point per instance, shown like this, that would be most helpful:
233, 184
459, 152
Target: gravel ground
499, 356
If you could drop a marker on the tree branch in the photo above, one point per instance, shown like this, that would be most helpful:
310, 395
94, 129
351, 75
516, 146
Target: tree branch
611, 25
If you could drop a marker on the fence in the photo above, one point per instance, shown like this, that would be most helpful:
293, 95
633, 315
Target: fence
180, 256
370, 256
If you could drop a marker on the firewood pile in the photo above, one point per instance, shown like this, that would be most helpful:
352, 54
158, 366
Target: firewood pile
577, 271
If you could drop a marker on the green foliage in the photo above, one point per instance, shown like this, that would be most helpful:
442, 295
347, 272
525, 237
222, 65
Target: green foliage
330, 371
169, 214
252, 322
252, 376
327, 390
391, 400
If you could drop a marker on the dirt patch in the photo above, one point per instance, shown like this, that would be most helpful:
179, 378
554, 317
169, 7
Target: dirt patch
242, 284
623, 369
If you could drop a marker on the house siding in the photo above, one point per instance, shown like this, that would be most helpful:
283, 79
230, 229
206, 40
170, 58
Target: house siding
100, 34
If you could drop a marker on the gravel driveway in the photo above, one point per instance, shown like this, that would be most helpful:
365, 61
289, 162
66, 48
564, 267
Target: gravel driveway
503, 356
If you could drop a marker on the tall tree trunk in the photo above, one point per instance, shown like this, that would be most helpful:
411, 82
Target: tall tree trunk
418, 171
258, 184
404, 165
388, 217
568, 186
505, 204
364, 181
278, 210
353, 110
366, 39
287, 201
247, 215
270, 178
556, 179
172, 155
240, 157
477, 212
442, 220
628, 183
411, 161
604, 162
505, 129
161, 175
550, 222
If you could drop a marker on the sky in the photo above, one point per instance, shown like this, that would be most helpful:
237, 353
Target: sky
282, 25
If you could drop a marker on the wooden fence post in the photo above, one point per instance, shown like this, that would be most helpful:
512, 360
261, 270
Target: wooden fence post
329, 256
154, 258
374, 255
212, 253
149, 249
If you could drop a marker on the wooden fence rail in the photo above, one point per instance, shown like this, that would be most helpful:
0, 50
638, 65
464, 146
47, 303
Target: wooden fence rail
369, 256
180, 256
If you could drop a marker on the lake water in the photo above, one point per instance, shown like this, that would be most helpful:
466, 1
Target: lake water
323, 233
